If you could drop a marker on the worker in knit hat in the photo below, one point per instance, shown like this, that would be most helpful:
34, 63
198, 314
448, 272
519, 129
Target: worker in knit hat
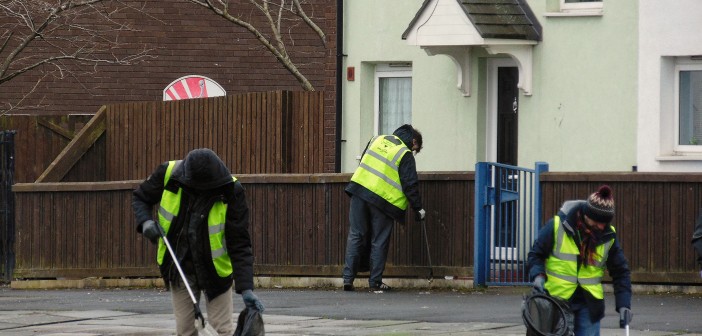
570, 255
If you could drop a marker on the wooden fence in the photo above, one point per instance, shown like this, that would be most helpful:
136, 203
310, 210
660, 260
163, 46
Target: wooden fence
299, 224
298, 227
254, 133
40, 139
655, 217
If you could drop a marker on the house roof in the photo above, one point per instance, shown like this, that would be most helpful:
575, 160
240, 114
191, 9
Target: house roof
497, 19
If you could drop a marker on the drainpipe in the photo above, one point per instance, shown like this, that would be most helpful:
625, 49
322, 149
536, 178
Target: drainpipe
339, 71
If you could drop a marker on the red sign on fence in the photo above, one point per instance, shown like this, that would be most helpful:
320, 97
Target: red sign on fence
192, 86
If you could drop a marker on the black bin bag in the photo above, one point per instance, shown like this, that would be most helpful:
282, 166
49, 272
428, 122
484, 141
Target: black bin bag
545, 315
250, 323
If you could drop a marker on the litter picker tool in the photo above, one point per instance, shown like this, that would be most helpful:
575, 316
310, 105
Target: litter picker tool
203, 327
625, 317
430, 278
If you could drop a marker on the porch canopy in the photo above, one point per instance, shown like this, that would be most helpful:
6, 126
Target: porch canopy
453, 27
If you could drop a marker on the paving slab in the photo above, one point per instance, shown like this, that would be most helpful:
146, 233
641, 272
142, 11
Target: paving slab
324, 312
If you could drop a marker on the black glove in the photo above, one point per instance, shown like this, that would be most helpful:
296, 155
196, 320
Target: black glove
539, 284
151, 231
252, 301
625, 316
419, 215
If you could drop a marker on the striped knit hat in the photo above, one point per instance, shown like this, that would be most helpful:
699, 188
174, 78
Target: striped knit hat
600, 205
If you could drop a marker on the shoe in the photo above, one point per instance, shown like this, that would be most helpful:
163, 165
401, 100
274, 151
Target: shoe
348, 287
380, 287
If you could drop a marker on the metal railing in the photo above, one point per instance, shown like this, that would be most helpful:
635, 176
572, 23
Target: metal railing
507, 213
7, 204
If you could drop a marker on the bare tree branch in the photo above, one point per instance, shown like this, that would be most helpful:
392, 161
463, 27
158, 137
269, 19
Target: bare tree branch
309, 22
275, 44
7, 107
61, 37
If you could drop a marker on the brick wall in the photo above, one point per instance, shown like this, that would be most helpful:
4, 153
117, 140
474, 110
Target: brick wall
187, 39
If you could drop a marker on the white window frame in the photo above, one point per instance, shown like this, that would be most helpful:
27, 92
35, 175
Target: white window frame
382, 71
582, 8
677, 147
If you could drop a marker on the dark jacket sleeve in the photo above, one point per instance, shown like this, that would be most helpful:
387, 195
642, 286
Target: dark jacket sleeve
540, 251
410, 181
239, 239
697, 244
148, 194
697, 239
618, 268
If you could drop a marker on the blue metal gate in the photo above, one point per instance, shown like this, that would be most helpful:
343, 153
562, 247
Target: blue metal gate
507, 218
7, 204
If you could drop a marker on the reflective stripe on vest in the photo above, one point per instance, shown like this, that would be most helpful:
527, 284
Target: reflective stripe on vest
378, 171
168, 210
563, 275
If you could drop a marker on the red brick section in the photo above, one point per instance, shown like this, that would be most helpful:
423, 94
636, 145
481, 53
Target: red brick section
187, 39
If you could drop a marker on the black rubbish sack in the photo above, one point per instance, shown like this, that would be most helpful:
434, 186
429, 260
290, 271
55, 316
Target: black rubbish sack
250, 323
545, 315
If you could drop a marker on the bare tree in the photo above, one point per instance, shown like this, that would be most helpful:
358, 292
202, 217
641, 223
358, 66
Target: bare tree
60, 38
275, 12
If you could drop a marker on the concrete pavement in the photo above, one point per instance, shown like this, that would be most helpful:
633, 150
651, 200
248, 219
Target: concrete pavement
325, 311
110, 322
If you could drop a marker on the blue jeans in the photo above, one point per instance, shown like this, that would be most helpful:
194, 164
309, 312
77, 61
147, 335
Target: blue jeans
369, 228
583, 325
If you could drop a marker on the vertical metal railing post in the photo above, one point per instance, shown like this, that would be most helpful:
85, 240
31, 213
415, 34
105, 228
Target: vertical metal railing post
508, 214
7, 204
481, 230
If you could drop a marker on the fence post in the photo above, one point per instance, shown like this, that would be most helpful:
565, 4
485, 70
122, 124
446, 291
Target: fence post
480, 245
540, 168
7, 204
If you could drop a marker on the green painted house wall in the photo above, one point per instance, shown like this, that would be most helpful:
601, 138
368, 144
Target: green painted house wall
581, 115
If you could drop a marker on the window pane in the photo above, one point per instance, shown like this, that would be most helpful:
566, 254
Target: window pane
395, 94
574, 1
690, 102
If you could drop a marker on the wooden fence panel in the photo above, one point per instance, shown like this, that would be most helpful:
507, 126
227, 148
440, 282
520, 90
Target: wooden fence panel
299, 224
655, 217
39, 139
251, 132
77, 234
306, 159
254, 133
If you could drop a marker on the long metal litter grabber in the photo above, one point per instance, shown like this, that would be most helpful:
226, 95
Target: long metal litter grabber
196, 307
426, 240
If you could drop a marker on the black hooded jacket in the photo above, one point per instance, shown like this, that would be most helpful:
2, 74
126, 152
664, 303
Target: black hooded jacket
408, 180
697, 239
204, 179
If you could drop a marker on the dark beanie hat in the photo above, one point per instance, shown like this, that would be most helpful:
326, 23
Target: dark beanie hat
600, 205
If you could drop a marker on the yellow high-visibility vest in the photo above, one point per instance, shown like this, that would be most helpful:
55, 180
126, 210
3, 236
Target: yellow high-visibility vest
378, 171
563, 275
168, 210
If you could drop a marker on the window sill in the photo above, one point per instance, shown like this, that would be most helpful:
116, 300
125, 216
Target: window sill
680, 157
575, 13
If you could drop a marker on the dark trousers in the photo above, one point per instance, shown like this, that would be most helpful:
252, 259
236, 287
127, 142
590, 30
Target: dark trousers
369, 229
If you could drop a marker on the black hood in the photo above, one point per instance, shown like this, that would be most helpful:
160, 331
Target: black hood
202, 169
406, 134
